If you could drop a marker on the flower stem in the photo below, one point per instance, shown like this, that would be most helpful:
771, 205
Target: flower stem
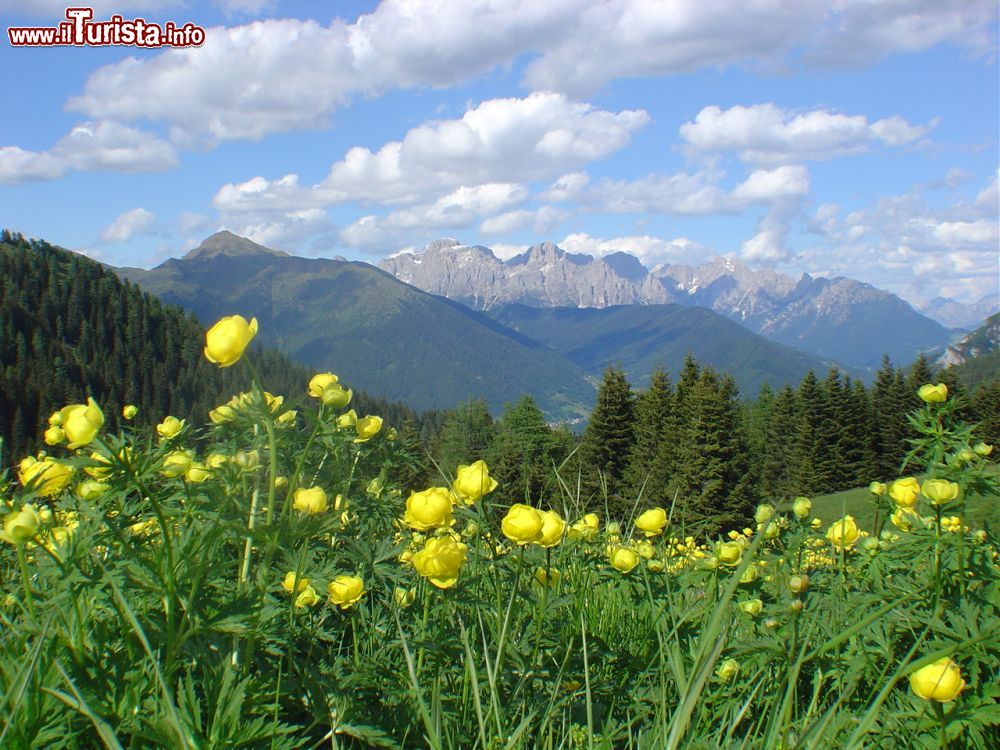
25, 579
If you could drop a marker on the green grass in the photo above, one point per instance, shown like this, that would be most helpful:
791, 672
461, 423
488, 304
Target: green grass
859, 503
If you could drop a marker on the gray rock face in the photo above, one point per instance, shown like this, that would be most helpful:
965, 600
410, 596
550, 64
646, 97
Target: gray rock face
835, 318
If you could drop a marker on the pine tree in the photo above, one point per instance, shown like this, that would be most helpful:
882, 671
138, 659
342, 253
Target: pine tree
523, 454
889, 404
803, 470
607, 442
653, 455
776, 481
466, 436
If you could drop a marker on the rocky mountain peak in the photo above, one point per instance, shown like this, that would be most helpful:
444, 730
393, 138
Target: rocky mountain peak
229, 244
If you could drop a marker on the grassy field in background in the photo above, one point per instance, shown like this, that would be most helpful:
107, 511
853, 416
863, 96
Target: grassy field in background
859, 503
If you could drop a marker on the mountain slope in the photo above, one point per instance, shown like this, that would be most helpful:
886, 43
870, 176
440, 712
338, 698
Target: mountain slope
643, 337
374, 331
837, 318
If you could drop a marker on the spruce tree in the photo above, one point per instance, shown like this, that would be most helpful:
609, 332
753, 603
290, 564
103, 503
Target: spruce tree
522, 454
803, 470
653, 455
607, 442
779, 446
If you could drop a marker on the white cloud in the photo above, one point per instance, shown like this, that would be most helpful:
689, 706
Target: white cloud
768, 134
460, 209
127, 225
542, 221
566, 188
500, 140
289, 230
650, 250
286, 74
102, 145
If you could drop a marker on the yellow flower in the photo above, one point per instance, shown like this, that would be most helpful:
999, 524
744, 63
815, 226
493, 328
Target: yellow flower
222, 414
473, 481
645, 550
750, 574
585, 528
289, 584
54, 435
403, 597
307, 597
81, 423
129, 411
346, 591
623, 559
982, 449
226, 341
798, 584
727, 670
310, 500
877, 488
904, 518
904, 492
545, 577
940, 491
939, 681
764, 513
844, 533
336, 396
933, 394
802, 507
752, 607
55, 419
440, 561
347, 419
47, 476
176, 463
169, 427
248, 460
20, 526
286, 418
90, 489
367, 428
196, 473
522, 524
216, 460
321, 382
552, 529
652, 522
730, 553
428, 509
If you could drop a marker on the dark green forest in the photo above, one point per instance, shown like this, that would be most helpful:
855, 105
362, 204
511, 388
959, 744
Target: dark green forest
70, 328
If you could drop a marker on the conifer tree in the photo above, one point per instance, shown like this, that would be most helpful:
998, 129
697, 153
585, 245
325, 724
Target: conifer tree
803, 469
888, 411
466, 436
653, 455
523, 454
607, 442
776, 481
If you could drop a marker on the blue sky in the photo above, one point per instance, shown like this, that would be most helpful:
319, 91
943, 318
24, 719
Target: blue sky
857, 138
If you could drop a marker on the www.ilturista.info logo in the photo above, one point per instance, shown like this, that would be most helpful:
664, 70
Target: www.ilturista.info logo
80, 30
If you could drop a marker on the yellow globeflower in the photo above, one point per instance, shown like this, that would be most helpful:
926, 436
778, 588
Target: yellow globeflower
54, 435
346, 591
933, 394
939, 681
310, 500
336, 396
197, 473
904, 492
321, 382
307, 597
440, 561
752, 607
798, 584
129, 411
877, 488
586, 528
290, 583
90, 489
623, 559
730, 553
20, 526
428, 509
652, 522
982, 449
473, 481
81, 423
844, 533
403, 597
940, 491
169, 427
222, 414
226, 341
48, 476
548, 577
802, 507
522, 524
727, 670
176, 463
347, 419
367, 428
552, 529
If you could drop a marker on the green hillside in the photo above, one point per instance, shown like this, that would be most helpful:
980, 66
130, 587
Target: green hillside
70, 328
379, 333
641, 338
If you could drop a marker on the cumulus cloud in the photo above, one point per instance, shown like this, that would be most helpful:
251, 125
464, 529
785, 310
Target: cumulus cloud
102, 145
286, 230
769, 134
286, 74
533, 138
652, 251
127, 225
541, 221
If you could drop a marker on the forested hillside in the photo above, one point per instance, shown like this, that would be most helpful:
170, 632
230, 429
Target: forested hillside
70, 328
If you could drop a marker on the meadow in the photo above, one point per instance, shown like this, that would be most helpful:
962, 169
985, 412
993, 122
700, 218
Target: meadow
263, 581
